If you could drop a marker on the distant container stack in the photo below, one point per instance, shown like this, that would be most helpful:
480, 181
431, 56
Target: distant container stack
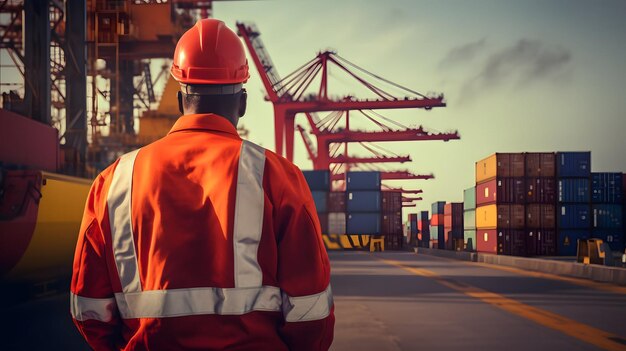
469, 219
453, 226
500, 197
413, 231
540, 172
392, 219
436, 225
319, 184
607, 209
423, 225
573, 208
364, 203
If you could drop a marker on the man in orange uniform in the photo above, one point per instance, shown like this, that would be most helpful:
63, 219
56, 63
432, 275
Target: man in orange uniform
201, 240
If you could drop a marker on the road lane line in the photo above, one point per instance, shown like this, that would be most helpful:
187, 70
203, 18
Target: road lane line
580, 331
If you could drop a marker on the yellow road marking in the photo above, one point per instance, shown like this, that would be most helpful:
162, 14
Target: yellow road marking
583, 332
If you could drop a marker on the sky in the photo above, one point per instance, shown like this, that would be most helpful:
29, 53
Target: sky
517, 75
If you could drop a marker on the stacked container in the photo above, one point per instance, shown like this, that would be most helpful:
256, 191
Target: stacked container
363, 203
541, 204
469, 218
500, 196
336, 212
607, 211
413, 229
453, 226
319, 184
573, 210
436, 224
392, 219
423, 225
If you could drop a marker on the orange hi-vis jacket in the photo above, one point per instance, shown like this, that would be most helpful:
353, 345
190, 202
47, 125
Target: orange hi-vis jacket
202, 241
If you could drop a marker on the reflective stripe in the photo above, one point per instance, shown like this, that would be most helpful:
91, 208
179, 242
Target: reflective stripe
249, 204
187, 302
307, 308
119, 205
84, 308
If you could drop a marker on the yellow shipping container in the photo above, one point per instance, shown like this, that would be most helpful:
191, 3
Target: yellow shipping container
486, 169
487, 216
500, 216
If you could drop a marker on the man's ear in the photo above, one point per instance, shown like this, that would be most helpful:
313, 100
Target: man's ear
243, 103
180, 102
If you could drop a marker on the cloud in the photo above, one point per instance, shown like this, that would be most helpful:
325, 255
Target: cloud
522, 64
463, 53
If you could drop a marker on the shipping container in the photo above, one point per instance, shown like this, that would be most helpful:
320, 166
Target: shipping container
500, 216
391, 201
437, 207
469, 220
413, 223
469, 238
540, 164
363, 181
323, 217
364, 201
607, 216
363, 223
541, 190
436, 219
391, 223
546, 243
511, 242
317, 180
487, 241
437, 233
394, 241
320, 198
567, 241
574, 216
606, 188
540, 216
574, 190
469, 199
500, 165
615, 238
336, 201
424, 232
336, 223
501, 190
573, 164
453, 215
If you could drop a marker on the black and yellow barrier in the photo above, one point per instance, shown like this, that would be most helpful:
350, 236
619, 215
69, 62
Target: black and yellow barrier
590, 251
346, 242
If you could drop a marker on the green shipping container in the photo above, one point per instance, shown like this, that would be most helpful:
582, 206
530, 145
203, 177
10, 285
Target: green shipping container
469, 199
469, 237
469, 220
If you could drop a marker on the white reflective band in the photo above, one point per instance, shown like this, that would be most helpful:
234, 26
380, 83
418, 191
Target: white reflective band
194, 301
249, 204
84, 308
119, 205
307, 308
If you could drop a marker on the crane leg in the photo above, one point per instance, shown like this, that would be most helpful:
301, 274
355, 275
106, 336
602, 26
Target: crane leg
279, 130
290, 121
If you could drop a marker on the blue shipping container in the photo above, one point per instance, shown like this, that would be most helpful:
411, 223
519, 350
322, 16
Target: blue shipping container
321, 199
469, 199
607, 216
363, 223
364, 201
363, 181
574, 190
568, 241
437, 207
606, 187
573, 164
572, 216
317, 180
615, 238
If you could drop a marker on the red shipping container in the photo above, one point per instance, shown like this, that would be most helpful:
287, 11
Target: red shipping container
540, 164
487, 241
541, 190
540, 216
391, 201
512, 242
546, 242
336, 201
436, 219
26, 142
392, 223
501, 190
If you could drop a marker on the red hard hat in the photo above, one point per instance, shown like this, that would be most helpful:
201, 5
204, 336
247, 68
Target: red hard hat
210, 53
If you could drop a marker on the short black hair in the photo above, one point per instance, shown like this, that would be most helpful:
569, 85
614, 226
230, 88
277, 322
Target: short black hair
212, 103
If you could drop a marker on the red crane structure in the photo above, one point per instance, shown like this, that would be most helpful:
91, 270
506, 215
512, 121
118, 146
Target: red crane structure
298, 92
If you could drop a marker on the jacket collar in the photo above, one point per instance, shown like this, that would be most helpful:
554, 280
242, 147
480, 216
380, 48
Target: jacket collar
208, 121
